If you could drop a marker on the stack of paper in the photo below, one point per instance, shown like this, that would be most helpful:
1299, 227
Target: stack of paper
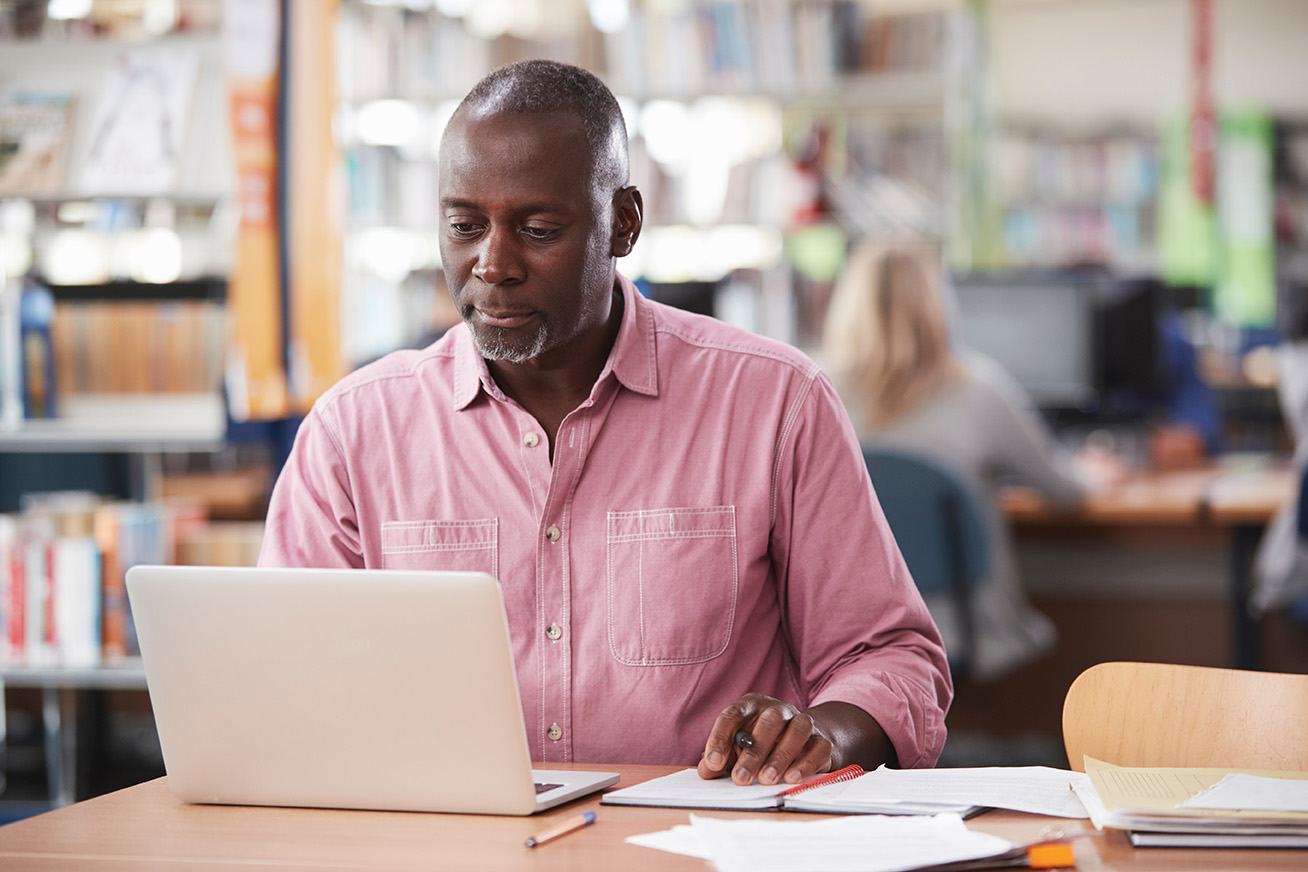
1208, 807
844, 844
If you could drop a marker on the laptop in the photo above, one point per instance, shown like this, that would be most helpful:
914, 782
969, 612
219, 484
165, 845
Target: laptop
332, 688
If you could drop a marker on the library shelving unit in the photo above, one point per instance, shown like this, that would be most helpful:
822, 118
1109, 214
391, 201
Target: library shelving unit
116, 218
132, 256
765, 137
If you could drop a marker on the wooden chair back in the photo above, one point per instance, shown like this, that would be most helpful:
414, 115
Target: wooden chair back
1161, 714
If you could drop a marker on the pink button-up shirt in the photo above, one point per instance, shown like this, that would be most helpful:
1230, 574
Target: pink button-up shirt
707, 529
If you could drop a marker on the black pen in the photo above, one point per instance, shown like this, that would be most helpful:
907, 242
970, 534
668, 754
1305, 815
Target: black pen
744, 739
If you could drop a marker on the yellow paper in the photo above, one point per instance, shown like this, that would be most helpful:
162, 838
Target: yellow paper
1159, 790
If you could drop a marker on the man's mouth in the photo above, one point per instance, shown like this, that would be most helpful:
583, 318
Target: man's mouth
504, 319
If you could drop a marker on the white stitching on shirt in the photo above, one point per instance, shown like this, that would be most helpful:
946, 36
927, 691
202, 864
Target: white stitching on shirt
810, 372
640, 600
792, 415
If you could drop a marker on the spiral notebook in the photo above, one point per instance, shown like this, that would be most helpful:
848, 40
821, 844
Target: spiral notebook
685, 789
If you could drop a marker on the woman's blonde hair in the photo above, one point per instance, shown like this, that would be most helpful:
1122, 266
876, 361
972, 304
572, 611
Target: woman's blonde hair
886, 335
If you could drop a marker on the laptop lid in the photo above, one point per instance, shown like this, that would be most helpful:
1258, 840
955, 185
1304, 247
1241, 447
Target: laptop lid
366, 689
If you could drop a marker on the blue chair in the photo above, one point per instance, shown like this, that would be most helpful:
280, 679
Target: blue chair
939, 525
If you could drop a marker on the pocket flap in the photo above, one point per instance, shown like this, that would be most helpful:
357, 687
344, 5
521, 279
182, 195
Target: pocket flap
681, 523
398, 536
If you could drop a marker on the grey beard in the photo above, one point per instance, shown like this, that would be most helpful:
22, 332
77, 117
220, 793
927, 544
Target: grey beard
494, 345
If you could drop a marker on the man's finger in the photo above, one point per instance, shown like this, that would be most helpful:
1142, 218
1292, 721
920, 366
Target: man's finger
718, 750
790, 746
815, 759
768, 728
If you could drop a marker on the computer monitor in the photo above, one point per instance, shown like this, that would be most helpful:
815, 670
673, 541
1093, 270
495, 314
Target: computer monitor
1040, 328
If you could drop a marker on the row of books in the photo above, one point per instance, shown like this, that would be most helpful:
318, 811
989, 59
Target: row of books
71, 349
63, 563
388, 52
707, 46
1122, 235
1072, 170
769, 46
173, 346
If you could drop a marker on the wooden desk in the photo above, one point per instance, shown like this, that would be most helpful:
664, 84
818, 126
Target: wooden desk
1146, 498
1239, 500
145, 827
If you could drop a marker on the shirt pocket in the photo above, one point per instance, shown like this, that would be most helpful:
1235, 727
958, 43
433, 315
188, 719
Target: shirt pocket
672, 583
464, 546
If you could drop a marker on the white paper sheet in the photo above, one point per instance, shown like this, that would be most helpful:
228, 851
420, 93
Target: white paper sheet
681, 839
1253, 793
864, 843
1033, 789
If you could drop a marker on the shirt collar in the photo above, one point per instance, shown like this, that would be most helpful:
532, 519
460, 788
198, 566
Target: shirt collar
631, 362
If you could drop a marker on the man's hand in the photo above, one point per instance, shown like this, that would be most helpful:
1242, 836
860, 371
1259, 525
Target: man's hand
791, 745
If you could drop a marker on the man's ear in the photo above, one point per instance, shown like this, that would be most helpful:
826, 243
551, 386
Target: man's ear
628, 217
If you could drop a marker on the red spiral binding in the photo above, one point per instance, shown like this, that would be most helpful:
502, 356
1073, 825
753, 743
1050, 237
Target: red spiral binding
849, 773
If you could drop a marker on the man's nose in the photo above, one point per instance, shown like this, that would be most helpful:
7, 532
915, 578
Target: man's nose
498, 259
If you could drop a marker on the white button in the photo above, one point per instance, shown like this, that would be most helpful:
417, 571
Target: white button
554, 632
531, 440
555, 732
553, 533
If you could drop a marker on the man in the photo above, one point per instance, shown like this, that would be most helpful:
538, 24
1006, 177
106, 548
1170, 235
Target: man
677, 511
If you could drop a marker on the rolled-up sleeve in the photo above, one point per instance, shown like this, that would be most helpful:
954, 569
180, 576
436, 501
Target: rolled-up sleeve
859, 630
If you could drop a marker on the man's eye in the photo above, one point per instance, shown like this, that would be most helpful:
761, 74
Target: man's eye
463, 228
539, 232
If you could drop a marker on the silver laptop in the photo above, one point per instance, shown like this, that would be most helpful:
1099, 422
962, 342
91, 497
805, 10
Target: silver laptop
364, 689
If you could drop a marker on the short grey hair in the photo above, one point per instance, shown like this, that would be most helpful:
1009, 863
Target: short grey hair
542, 86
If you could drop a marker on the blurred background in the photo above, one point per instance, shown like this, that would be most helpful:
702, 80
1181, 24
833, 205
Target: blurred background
211, 210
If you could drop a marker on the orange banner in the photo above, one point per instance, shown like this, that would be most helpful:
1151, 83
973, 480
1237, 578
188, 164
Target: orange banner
315, 209
256, 372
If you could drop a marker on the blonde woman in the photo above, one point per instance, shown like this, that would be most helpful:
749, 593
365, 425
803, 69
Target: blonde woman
886, 345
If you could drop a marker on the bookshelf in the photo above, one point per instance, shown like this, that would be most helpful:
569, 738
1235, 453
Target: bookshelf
1075, 198
765, 136
125, 235
119, 220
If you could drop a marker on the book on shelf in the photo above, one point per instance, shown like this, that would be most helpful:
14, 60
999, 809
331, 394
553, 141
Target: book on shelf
73, 567
13, 587
11, 357
36, 129
36, 313
1198, 807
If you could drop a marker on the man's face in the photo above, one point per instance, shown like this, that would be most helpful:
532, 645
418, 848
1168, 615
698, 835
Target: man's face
524, 241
